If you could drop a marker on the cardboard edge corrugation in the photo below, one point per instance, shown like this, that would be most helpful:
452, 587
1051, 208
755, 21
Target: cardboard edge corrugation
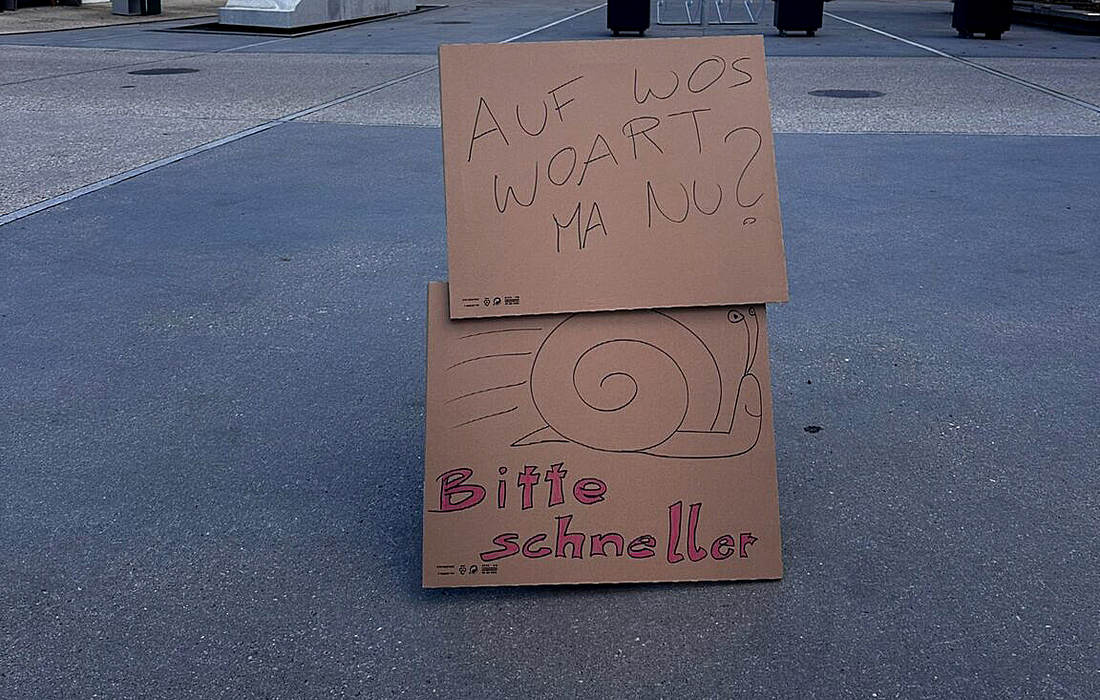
621, 582
424, 583
615, 309
443, 153
775, 179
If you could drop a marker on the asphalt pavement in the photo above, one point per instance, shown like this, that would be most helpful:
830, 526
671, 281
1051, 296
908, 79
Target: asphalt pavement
212, 291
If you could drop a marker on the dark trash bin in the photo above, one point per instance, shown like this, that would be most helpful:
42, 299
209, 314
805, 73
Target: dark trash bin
989, 17
135, 7
628, 16
798, 16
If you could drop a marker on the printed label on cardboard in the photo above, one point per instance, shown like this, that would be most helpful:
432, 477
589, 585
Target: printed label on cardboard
604, 175
598, 448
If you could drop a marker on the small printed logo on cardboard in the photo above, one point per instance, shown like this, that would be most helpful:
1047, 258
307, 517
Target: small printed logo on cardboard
466, 569
490, 301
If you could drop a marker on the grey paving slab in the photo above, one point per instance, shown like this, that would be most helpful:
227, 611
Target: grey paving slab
112, 39
922, 95
211, 440
414, 103
34, 63
223, 86
122, 36
929, 95
1078, 78
95, 119
47, 154
928, 22
98, 14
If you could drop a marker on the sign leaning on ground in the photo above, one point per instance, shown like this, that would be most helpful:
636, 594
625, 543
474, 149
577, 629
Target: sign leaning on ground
598, 403
599, 447
590, 176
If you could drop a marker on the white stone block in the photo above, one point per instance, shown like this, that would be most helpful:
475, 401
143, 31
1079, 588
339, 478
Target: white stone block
289, 14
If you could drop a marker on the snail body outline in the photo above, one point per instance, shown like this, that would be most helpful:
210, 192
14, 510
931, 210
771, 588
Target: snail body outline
654, 388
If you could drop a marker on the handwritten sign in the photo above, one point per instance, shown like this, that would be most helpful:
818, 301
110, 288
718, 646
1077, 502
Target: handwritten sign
598, 448
588, 176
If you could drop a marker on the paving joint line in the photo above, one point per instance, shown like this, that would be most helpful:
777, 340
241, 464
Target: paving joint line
135, 23
175, 158
973, 64
255, 44
191, 54
188, 56
278, 121
285, 119
552, 24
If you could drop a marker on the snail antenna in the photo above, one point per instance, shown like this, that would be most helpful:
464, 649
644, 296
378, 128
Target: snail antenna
754, 338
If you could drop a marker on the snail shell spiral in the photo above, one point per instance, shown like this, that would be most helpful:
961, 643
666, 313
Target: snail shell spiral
633, 376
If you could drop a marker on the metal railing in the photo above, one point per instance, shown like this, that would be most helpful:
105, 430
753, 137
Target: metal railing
725, 10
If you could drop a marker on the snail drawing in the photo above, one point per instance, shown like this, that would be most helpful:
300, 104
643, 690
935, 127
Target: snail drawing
651, 386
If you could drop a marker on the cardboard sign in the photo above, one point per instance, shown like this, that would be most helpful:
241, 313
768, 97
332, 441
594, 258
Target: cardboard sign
590, 176
595, 448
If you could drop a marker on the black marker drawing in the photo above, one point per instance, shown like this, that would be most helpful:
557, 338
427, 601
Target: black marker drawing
545, 115
478, 392
500, 384
488, 357
649, 92
491, 415
756, 152
714, 61
748, 76
658, 390
499, 330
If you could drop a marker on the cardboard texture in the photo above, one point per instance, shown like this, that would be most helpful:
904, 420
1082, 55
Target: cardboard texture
590, 176
593, 448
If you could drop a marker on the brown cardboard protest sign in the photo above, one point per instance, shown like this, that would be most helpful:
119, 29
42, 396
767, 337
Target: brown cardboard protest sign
599, 447
588, 176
